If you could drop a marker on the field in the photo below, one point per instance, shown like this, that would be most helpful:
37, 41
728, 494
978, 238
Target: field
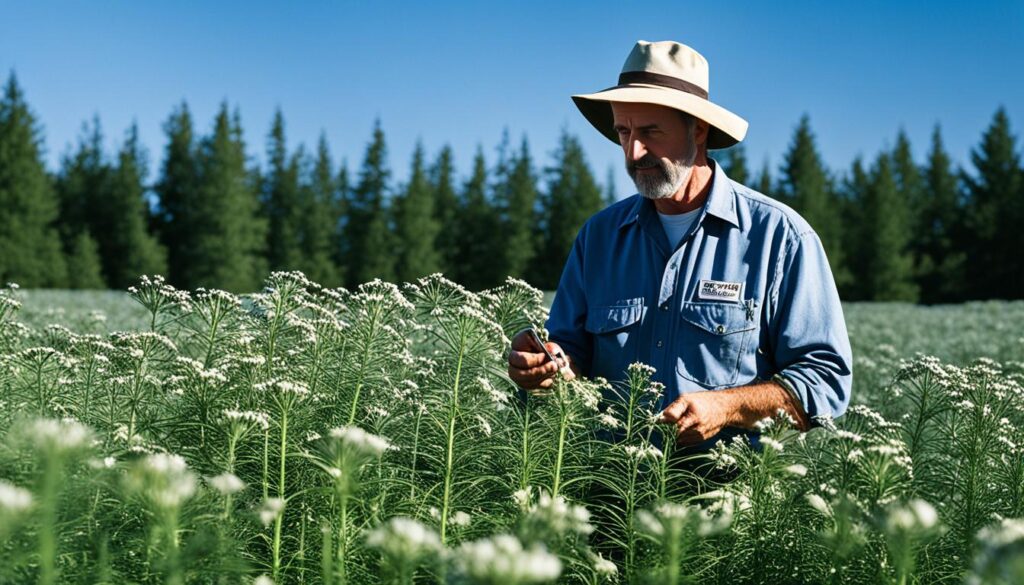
304, 435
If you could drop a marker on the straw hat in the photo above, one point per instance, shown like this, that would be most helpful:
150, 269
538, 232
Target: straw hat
668, 74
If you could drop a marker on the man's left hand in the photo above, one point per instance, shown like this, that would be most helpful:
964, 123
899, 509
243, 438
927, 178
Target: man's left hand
698, 416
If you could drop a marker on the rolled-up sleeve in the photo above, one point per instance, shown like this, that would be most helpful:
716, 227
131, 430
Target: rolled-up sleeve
810, 342
569, 310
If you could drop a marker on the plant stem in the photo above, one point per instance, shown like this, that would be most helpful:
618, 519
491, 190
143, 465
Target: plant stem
450, 458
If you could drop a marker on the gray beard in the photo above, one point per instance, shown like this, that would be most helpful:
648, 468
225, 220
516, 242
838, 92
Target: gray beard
671, 175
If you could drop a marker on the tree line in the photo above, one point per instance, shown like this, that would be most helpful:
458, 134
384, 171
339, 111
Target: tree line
896, 230
211, 217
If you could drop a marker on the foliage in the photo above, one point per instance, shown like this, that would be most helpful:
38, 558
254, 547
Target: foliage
308, 434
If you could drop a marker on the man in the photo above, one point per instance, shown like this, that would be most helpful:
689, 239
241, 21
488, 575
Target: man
726, 292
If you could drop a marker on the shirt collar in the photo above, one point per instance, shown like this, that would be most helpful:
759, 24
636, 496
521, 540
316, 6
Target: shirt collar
721, 201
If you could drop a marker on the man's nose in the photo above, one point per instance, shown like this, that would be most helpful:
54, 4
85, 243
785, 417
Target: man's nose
637, 150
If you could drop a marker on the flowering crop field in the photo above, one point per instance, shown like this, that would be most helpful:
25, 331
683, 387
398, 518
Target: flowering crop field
310, 435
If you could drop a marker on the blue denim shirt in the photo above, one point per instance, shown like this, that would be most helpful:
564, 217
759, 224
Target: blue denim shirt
747, 295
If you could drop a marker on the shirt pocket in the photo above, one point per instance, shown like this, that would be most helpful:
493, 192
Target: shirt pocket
714, 339
615, 329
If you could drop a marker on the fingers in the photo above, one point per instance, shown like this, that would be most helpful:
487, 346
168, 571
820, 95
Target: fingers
674, 411
525, 360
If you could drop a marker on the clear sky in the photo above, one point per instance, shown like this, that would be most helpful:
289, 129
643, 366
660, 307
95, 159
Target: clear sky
460, 72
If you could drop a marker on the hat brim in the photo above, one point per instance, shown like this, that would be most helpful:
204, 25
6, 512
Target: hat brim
727, 129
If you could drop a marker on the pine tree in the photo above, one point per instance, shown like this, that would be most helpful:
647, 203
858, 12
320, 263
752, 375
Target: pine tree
610, 193
942, 261
30, 247
83, 186
734, 161
806, 186
856, 232
477, 241
127, 247
764, 180
85, 270
994, 215
889, 264
370, 241
911, 188
572, 197
446, 209
227, 236
516, 208
178, 192
416, 226
340, 212
280, 200
318, 217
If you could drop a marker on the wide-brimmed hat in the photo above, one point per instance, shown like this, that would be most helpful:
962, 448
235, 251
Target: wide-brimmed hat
669, 74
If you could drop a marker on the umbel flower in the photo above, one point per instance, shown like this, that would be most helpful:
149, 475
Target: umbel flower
163, 480
503, 560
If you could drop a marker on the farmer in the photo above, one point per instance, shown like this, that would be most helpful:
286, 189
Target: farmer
725, 292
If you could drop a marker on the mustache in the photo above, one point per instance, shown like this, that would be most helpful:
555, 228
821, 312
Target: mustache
643, 162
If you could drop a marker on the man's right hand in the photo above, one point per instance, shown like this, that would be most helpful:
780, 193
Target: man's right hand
531, 369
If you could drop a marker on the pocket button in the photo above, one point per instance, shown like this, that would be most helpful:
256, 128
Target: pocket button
720, 329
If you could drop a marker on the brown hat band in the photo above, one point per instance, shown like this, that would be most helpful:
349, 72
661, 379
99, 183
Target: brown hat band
668, 81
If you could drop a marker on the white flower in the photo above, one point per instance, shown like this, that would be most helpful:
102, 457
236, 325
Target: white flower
263, 580
270, 510
227, 483
643, 452
502, 559
819, 504
916, 516
404, 539
797, 469
362, 441
459, 519
163, 479
58, 436
14, 498
603, 567
773, 443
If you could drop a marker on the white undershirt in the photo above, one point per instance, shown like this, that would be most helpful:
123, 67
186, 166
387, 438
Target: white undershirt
678, 225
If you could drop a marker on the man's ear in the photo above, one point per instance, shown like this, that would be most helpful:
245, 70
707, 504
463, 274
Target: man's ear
700, 133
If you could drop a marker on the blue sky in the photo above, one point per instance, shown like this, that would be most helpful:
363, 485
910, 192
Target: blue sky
461, 72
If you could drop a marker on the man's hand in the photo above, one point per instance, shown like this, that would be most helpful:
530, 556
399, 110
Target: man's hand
529, 367
699, 415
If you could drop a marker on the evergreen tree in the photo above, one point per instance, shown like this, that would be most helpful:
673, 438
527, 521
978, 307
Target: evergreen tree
318, 217
85, 270
889, 265
416, 226
610, 194
370, 241
911, 189
764, 180
121, 221
446, 210
942, 259
30, 247
806, 186
572, 197
340, 212
477, 260
178, 192
856, 232
82, 186
995, 210
280, 199
517, 211
226, 236
734, 161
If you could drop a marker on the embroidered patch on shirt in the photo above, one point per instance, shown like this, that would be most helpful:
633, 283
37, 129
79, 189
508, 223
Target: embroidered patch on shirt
718, 290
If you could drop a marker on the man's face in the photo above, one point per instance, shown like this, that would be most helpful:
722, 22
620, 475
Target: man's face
660, 147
